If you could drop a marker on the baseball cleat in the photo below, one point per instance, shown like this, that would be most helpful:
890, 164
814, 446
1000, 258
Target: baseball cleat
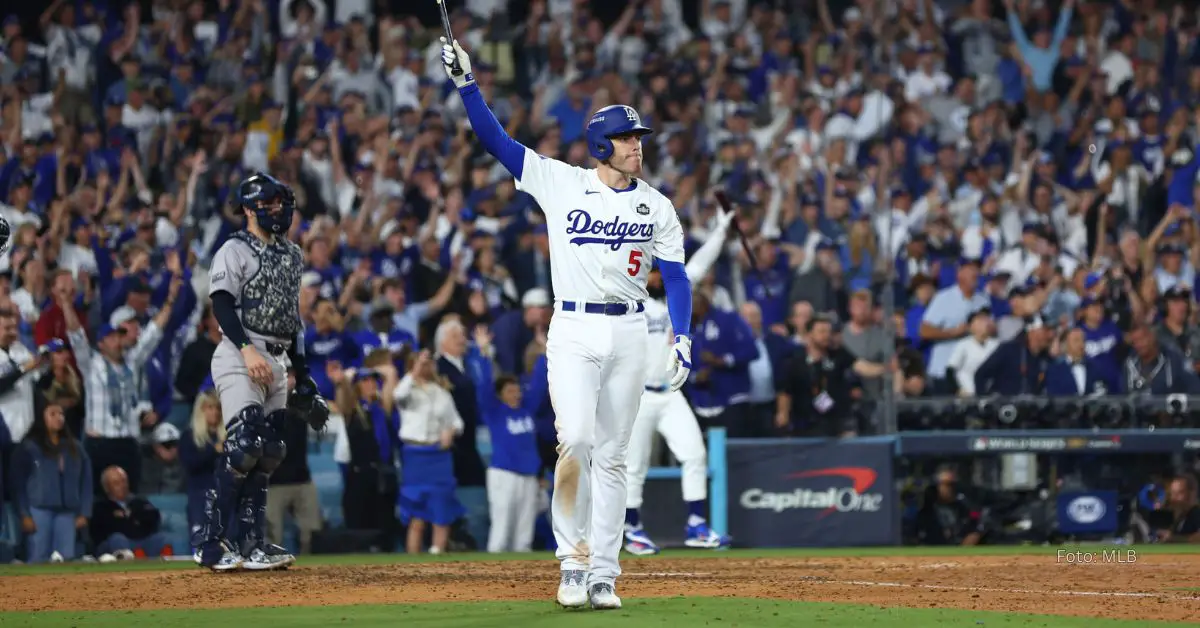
637, 542
704, 537
572, 593
229, 561
603, 597
268, 558
217, 557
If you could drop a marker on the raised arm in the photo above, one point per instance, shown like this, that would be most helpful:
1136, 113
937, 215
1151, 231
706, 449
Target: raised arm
708, 253
76, 336
509, 152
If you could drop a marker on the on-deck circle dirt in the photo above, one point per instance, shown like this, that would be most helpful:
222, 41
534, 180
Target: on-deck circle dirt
1153, 587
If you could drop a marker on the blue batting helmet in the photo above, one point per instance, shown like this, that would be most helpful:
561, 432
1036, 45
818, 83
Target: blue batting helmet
258, 193
609, 122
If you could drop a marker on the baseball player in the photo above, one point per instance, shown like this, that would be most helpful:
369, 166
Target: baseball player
255, 292
606, 228
667, 412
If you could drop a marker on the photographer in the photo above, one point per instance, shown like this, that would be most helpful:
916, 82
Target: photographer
1185, 511
815, 397
945, 518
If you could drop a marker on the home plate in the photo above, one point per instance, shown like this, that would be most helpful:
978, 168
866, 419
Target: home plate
666, 574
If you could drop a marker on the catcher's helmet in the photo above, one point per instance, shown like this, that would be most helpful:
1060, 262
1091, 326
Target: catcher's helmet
609, 122
5, 234
258, 193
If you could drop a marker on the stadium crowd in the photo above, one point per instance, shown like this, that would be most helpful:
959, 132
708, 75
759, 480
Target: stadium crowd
937, 194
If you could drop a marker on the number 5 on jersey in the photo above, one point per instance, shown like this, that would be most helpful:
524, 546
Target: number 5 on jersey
635, 262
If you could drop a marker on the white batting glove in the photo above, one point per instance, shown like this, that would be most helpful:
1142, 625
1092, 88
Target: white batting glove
681, 362
451, 51
724, 219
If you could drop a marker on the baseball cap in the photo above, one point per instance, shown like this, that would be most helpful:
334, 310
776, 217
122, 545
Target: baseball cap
310, 279
535, 297
165, 433
53, 346
106, 330
362, 374
1178, 291
983, 311
121, 315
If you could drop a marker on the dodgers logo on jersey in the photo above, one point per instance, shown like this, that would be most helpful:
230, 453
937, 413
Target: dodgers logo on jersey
614, 234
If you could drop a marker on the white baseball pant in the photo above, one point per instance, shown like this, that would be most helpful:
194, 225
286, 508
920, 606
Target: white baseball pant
513, 507
669, 414
597, 372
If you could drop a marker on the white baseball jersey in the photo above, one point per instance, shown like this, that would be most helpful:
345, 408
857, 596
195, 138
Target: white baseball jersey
602, 241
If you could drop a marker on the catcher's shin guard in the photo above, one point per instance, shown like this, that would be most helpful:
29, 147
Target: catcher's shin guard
252, 513
219, 505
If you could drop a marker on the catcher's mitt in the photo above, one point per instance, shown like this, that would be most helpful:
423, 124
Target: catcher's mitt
306, 403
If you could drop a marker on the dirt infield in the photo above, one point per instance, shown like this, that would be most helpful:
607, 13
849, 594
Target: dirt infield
1150, 587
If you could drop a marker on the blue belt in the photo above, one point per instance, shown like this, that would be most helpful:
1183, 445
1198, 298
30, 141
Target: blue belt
607, 309
658, 389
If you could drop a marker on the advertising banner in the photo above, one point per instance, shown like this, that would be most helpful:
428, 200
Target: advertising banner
1091, 512
1064, 442
812, 493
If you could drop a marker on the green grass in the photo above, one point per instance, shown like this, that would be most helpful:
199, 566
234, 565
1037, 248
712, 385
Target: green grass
389, 559
652, 613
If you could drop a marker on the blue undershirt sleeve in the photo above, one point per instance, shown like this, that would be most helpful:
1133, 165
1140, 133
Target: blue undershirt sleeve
679, 296
495, 140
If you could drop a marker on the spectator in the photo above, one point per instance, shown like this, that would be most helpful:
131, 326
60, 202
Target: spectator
372, 433
971, 352
513, 475
124, 524
1073, 374
723, 350
1152, 369
52, 482
62, 386
293, 491
516, 329
19, 369
1176, 330
865, 340
451, 343
200, 449
52, 323
116, 410
196, 358
774, 352
428, 432
1019, 366
327, 343
945, 320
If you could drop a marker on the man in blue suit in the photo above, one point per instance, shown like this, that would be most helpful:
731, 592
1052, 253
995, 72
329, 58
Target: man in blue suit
1074, 374
723, 347
1018, 367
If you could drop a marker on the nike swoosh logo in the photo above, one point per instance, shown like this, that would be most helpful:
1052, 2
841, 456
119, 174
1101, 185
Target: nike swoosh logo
592, 192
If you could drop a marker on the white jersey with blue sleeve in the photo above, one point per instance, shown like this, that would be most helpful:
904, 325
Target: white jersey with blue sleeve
602, 241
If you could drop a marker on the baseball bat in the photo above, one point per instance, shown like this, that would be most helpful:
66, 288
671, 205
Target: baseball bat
455, 69
727, 205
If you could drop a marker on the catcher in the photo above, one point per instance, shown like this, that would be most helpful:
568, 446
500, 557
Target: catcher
255, 292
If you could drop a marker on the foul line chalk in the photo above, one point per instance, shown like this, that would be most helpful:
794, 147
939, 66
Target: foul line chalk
904, 585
